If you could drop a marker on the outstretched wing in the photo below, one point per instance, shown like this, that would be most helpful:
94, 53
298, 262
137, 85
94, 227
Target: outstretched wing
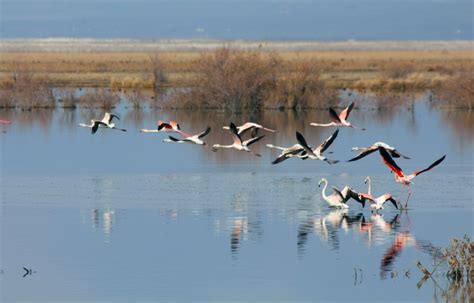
323, 146
280, 159
252, 140
174, 139
96, 125
396, 154
165, 125
338, 192
175, 125
301, 140
111, 117
437, 162
345, 113
334, 115
387, 159
204, 133
393, 201
235, 134
363, 154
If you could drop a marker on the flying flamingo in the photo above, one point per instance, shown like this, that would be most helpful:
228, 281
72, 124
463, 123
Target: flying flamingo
317, 153
339, 198
370, 149
377, 203
168, 127
106, 122
339, 120
296, 151
400, 177
5, 122
250, 125
196, 139
238, 143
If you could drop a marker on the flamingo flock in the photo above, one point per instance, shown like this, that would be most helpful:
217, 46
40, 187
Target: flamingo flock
300, 150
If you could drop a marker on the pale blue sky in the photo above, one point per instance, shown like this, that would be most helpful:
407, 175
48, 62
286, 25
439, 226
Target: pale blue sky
275, 20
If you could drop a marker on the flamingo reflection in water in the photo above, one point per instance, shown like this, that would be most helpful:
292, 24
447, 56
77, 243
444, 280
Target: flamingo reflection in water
402, 241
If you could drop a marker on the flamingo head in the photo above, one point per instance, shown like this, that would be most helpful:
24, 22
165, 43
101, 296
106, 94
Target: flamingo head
367, 179
321, 181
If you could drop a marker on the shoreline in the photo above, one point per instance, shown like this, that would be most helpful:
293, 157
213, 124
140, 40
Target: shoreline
75, 45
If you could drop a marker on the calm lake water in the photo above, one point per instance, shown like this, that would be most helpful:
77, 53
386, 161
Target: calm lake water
126, 217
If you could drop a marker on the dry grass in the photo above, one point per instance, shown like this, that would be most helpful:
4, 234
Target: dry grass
337, 67
25, 90
457, 91
99, 98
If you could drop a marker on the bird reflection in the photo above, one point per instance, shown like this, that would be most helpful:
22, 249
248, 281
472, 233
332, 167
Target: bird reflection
328, 227
239, 233
106, 217
403, 240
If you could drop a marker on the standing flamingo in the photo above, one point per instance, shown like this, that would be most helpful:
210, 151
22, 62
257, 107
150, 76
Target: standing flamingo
339, 120
400, 177
339, 198
377, 203
196, 139
238, 143
374, 147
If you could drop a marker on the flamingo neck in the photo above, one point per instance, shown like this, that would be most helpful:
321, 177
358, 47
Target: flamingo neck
149, 130
323, 192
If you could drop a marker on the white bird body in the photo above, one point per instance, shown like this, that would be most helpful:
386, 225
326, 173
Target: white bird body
334, 200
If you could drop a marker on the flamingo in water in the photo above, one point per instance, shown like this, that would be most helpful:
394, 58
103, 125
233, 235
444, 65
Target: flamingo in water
238, 144
378, 202
196, 139
339, 198
399, 175
339, 120
374, 147
106, 122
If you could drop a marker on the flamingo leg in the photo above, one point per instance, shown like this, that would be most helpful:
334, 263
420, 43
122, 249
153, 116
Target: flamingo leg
408, 197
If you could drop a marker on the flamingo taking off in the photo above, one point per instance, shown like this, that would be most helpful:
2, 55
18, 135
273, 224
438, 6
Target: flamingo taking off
339, 120
196, 139
400, 177
238, 143
339, 198
106, 122
368, 150
250, 126
377, 203
317, 153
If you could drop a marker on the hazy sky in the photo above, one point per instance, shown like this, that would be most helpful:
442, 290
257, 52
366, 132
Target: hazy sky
230, 19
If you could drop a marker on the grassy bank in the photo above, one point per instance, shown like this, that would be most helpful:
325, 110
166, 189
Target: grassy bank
233, 78
349, 69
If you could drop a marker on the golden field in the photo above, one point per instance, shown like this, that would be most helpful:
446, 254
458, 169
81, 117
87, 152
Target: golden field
375, 70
